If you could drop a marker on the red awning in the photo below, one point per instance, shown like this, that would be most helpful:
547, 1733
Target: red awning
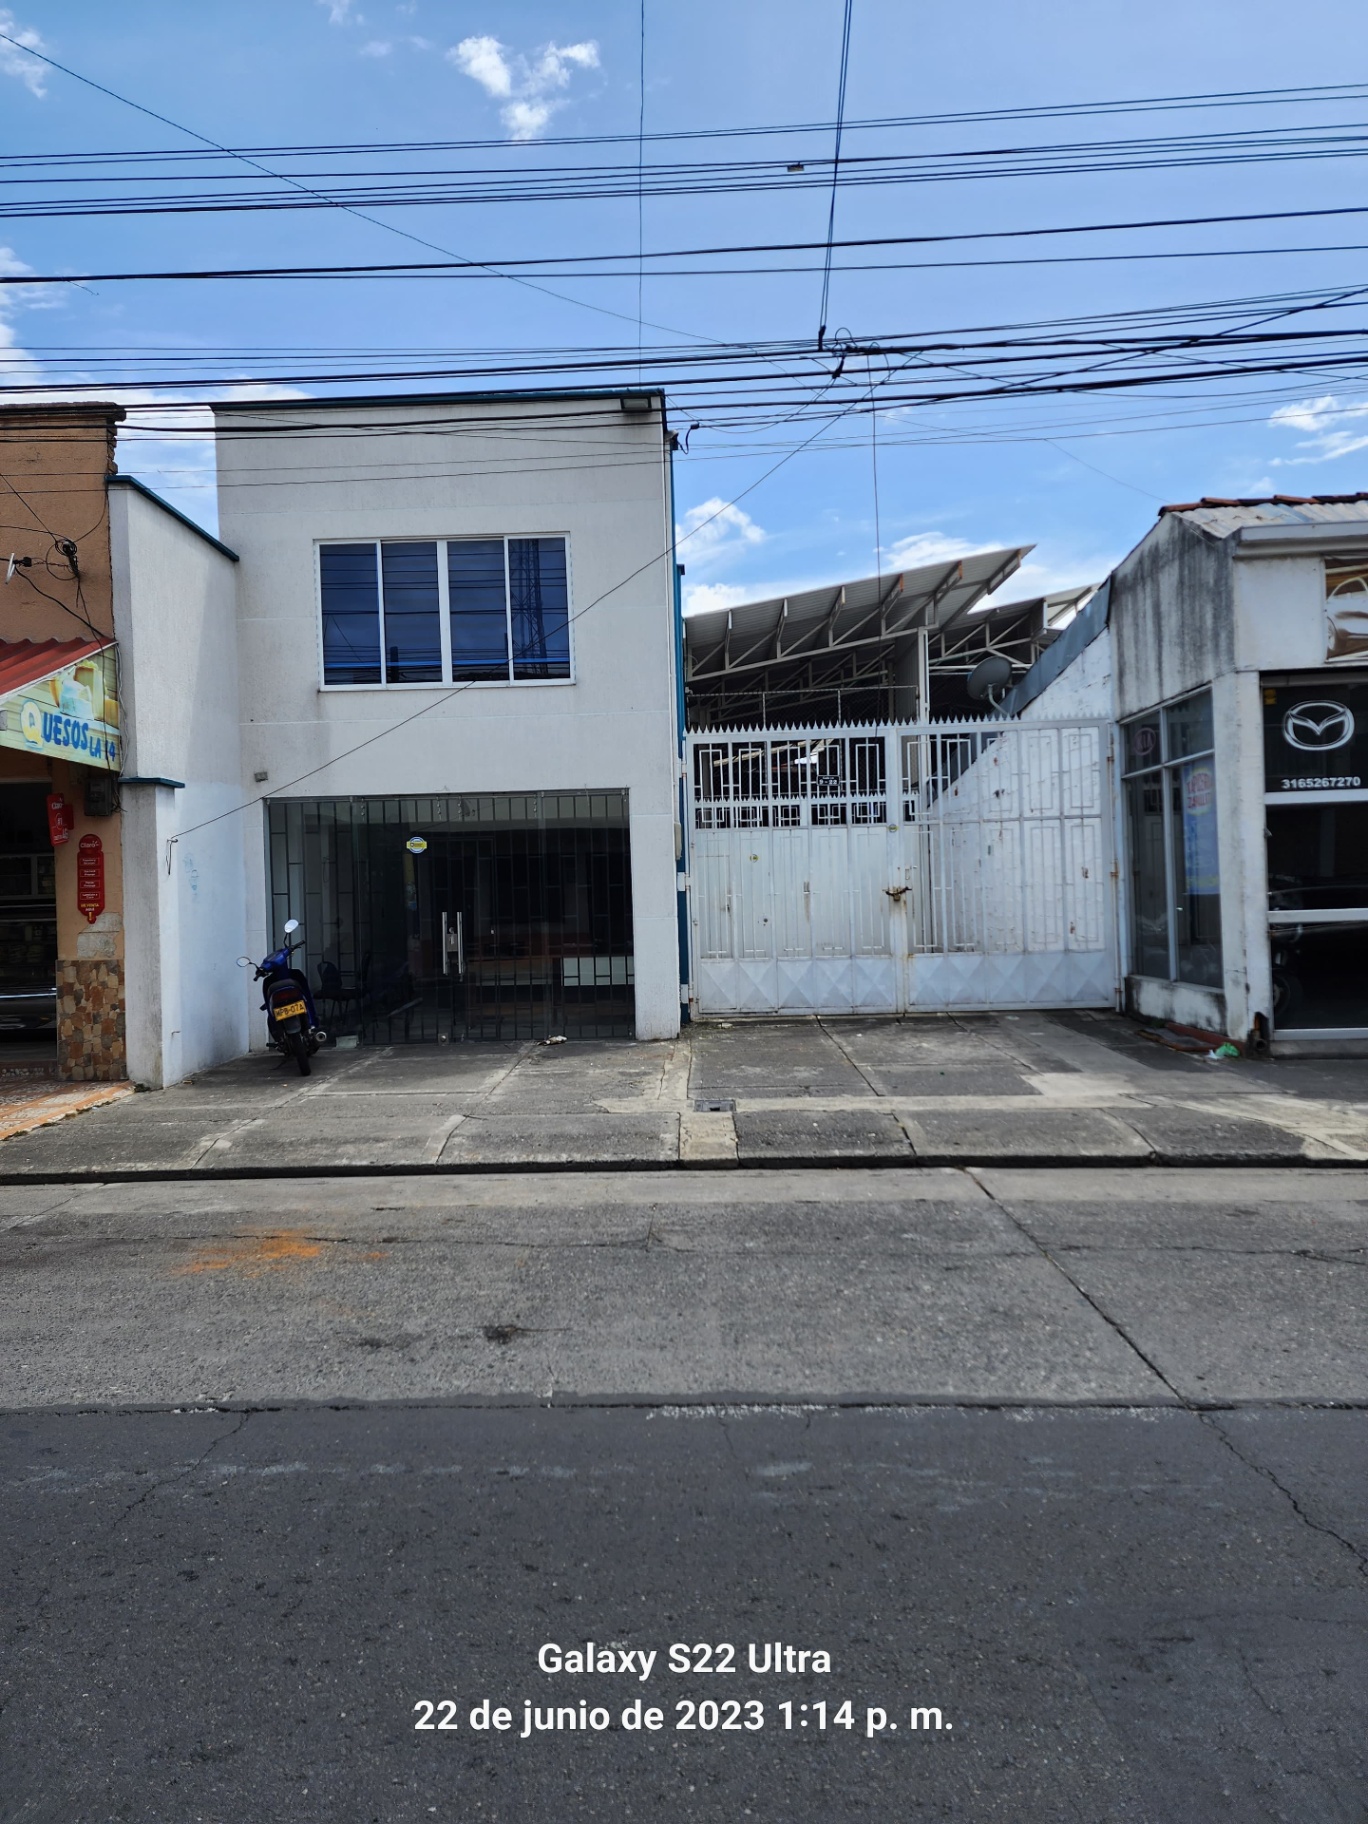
27, 661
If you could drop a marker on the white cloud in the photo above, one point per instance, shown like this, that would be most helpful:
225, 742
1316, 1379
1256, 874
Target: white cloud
700, 597
1320, 419
714, 526
378, 47
483, 60
529, 87
341, 12
925, 548
1049, 567
13, 62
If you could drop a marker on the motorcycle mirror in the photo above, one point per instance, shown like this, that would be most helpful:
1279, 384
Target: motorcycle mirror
291, 924
244, 962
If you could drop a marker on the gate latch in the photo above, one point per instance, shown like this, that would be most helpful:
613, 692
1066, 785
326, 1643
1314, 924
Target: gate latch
896, 893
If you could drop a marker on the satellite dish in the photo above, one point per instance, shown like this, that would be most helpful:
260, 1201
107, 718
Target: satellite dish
990, 679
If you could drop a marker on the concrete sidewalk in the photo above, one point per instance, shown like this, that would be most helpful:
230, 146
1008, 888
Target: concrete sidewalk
1021, 1089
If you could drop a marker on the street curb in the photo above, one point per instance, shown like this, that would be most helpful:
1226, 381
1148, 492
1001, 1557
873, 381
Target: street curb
774, 1163
703, 1403
694, 1403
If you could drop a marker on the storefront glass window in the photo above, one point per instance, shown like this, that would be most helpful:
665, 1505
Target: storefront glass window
1174, 854
1196, 873
1188, 726
1142, 743
1317, 856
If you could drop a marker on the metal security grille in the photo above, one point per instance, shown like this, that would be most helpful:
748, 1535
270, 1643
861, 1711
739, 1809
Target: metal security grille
926, 866
451, 918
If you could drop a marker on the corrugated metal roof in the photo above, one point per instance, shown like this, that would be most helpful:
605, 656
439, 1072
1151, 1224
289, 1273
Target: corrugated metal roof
871, 610
1222, 517
29, 661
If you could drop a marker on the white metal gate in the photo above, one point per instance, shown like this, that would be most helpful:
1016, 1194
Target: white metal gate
936, 866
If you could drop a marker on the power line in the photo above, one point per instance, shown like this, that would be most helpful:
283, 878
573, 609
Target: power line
835, 169
359, 192
388, 227
1305, 96
456, 690
456, 264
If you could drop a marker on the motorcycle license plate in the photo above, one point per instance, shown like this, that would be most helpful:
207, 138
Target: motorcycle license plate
289, 1010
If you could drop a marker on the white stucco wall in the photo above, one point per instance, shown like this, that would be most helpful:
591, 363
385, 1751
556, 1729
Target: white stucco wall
174, 614
1279, 613
1083, 690
581, 469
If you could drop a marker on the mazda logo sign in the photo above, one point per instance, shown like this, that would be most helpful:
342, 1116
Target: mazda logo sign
1316, 728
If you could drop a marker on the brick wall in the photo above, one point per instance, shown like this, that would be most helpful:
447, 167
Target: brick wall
90, 1021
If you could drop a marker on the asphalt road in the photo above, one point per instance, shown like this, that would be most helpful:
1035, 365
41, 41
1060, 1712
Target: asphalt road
1078, 1459
1151, 1616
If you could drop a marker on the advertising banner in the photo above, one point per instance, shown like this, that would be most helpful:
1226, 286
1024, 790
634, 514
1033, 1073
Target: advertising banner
1316, 736
90, 877
1201, 861
72, 715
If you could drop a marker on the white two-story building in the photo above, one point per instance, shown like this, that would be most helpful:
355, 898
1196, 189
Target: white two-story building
430, 711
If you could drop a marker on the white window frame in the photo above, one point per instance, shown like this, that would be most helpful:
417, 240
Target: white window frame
446, 682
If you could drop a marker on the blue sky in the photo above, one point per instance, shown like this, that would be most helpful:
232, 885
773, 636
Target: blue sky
1078, 478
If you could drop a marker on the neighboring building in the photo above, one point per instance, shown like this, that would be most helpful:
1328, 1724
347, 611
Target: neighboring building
118, 726
881, 648
184, 895
458, 687
1232, 646
863, 837
61, 869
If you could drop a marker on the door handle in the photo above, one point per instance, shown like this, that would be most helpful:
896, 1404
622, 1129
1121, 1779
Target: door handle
453, 944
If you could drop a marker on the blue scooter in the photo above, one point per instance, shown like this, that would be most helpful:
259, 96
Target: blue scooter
291, 1023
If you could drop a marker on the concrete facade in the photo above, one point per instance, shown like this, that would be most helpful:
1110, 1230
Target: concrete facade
582, 468
175, 613
1220, 595
56, 461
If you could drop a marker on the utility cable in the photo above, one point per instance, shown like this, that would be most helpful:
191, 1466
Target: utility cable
835, 170
280, 177
455, 263
1310, 95
641, 190
453, 691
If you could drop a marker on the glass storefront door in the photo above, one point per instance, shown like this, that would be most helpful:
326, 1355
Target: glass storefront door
1316, 811
1318, 869
452, 918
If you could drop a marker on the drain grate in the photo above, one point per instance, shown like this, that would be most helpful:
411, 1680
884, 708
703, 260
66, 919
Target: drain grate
716, 1105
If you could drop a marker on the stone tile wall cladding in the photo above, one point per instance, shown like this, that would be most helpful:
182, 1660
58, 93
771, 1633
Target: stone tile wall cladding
90, 1022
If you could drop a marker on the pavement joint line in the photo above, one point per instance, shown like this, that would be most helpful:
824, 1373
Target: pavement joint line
845, 1052
1118, 1328
723, 1401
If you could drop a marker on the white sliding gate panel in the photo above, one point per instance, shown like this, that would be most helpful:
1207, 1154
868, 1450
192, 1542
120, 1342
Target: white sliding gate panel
931, 866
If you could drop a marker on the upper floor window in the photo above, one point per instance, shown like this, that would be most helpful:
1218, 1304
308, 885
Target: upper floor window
445, 611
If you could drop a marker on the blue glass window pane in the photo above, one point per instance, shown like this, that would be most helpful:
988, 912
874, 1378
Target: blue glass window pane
540, 603
479, 616
351, 614
413, 616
